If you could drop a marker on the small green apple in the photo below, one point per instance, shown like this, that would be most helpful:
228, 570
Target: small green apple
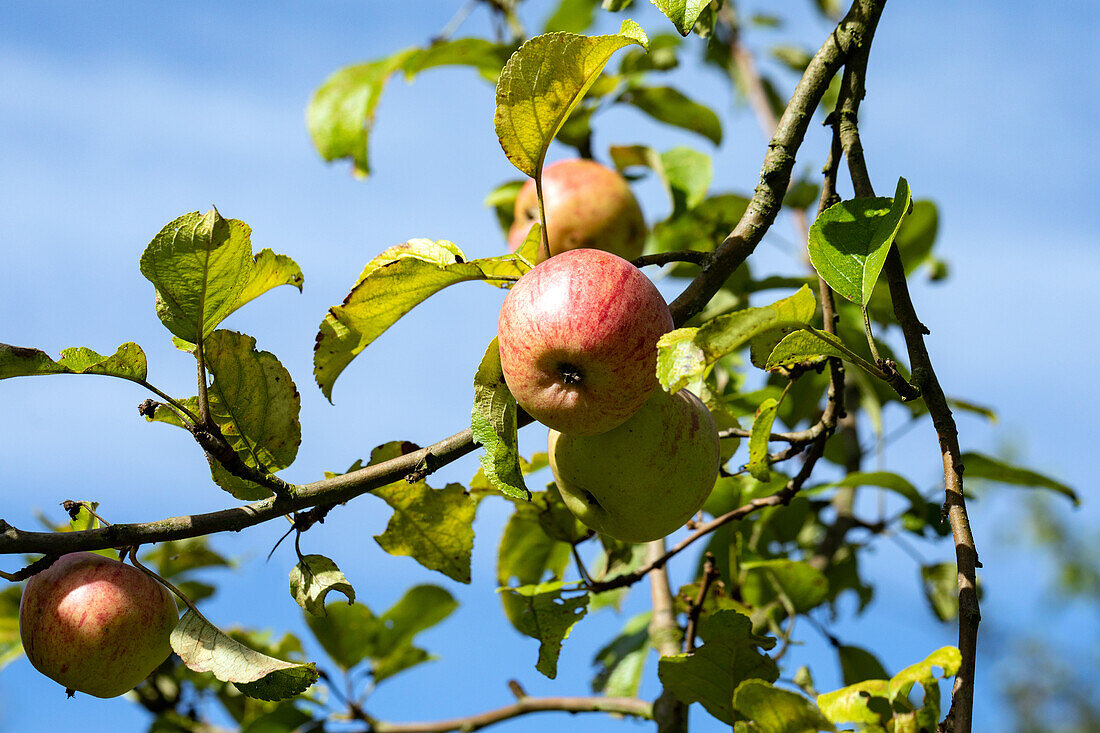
587, 206
96, 625
644, 479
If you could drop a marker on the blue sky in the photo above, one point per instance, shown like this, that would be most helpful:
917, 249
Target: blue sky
115, 118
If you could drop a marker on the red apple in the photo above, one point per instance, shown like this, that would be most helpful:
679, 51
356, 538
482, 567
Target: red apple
644, 479
587, 206
95, 624
578, 340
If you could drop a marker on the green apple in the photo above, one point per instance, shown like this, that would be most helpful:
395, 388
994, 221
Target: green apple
587, 206
578, 340
96, 625
646, 478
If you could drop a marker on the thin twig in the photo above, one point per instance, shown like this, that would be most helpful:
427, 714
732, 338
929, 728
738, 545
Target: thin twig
960, 717
615, 705
710, 574
692, 256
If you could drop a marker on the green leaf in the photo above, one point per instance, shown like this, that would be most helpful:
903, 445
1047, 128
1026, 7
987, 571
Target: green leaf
421, 608
269, 271
758, 440
11, 646
918, 235
710, 674
620, 663
255, 403
495, 422
433, 526
804, 585
772, 710
673, 107
543, 82
128, 362
401, 659
571, 16
503, 201
805, 346
849, 242
682, 13
203, 648
981, 466
853, 704
794, 58
548, 616
875, 701
199, 265
347, 632
685, 354
886, 480
526, 555
391, 285
858, 664
685, 173
341, 113
173, 558
312, 579
941, 588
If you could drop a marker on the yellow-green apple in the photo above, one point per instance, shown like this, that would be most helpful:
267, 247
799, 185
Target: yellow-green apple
578, 340
647, 477
587, 206
95, 625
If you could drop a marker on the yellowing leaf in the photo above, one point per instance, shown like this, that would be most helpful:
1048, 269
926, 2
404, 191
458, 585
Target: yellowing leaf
128, 362
433, 526
541, 84
312, 579
203, 648
199, 264
548, 616
391, 285
495, 425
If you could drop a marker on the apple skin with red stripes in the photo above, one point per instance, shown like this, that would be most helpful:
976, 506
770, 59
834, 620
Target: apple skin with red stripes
588, 206
96, 625
578, 340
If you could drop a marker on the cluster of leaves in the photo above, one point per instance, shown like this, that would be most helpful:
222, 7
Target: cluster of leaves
781, 562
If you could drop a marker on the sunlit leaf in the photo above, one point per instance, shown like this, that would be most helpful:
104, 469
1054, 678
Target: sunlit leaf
341, 113
389, 287
541, 84
772, 710
758, 440
849, 242
433, 526
685, 354
128, 362
495, 422
199, 265
203, 648
313, 578
548, 616
682, 13
255, 403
